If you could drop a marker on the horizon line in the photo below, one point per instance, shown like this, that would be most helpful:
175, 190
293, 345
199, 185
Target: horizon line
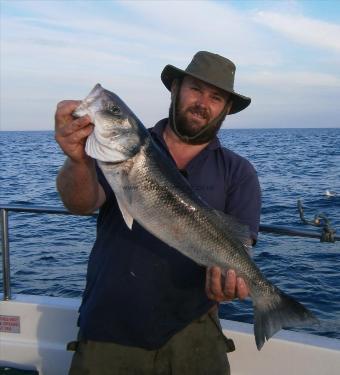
227, 128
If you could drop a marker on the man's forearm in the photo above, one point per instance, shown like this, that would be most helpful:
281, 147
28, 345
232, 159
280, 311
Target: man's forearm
78, 186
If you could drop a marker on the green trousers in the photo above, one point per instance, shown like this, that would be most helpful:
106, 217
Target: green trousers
199, 349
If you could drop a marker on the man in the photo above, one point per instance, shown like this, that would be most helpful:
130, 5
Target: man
147, 309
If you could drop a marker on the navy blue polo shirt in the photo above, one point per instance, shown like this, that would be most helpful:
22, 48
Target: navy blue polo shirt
140, 291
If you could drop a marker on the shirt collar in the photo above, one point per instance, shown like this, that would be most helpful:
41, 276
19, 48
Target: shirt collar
160, 126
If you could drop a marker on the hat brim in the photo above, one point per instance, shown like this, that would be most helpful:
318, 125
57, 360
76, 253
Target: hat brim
170, 73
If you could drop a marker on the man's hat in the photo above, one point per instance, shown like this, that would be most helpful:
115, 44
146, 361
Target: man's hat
213, 69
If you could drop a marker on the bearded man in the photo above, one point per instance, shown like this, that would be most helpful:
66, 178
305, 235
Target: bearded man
165, 320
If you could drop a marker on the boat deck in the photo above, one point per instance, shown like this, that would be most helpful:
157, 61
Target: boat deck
39, 327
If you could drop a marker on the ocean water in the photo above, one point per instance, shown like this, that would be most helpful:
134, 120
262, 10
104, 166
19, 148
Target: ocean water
49, 252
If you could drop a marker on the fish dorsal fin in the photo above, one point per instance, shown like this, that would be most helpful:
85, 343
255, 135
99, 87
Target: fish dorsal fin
240, 231
125, 213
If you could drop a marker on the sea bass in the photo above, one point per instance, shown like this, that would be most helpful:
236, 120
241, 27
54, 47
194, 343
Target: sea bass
150, 190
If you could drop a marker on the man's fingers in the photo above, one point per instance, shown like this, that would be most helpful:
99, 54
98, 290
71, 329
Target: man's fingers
215, 281
208, 281
80, 123
81, 135
75, 139
242, 289
66, 107
213, 285
74, 126
220, 288
235, 287
229, 288
65, 123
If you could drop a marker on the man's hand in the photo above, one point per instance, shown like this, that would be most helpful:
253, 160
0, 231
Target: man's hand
71, 133
77, 180
220, 288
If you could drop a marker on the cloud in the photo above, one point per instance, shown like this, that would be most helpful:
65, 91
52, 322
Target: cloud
293, 79
316, 33
52, 50
215, 26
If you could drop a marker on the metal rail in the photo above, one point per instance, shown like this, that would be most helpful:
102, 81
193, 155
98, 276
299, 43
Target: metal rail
5, 255
287, 231
5, 209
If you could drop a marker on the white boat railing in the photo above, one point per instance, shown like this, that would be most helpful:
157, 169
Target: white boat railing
324, 235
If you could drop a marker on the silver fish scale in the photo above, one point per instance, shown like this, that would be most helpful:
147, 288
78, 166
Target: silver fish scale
164, 204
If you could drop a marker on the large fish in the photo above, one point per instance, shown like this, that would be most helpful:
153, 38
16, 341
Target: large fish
150, 190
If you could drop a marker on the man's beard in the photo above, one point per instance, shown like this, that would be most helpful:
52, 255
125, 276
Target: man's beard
187, 131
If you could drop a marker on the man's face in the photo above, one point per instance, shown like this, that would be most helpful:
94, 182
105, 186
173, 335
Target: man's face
199, 103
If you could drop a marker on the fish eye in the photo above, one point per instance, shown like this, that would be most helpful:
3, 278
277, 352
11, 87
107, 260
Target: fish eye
114, 109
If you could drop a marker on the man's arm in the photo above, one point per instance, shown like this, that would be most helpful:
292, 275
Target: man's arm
77, 180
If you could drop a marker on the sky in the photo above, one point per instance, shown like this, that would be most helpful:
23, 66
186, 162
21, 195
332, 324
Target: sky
287, 55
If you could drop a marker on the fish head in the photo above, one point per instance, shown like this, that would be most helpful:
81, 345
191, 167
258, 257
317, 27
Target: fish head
118, 134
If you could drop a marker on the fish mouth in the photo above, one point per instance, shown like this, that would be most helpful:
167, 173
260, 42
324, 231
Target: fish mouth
111, 163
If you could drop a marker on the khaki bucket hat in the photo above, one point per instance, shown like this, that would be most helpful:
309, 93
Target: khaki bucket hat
213, 69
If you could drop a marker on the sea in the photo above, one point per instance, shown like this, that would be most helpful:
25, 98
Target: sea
49, 252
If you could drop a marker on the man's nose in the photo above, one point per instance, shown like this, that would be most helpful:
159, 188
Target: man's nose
203, 100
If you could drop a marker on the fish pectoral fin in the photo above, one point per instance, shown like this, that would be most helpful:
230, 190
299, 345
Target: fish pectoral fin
125, 213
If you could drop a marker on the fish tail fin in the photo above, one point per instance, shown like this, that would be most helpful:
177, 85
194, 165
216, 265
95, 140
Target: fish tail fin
276, 311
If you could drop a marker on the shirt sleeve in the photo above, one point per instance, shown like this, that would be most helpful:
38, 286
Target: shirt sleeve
243, 197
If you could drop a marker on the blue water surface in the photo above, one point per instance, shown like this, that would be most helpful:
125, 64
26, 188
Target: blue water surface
49, 253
